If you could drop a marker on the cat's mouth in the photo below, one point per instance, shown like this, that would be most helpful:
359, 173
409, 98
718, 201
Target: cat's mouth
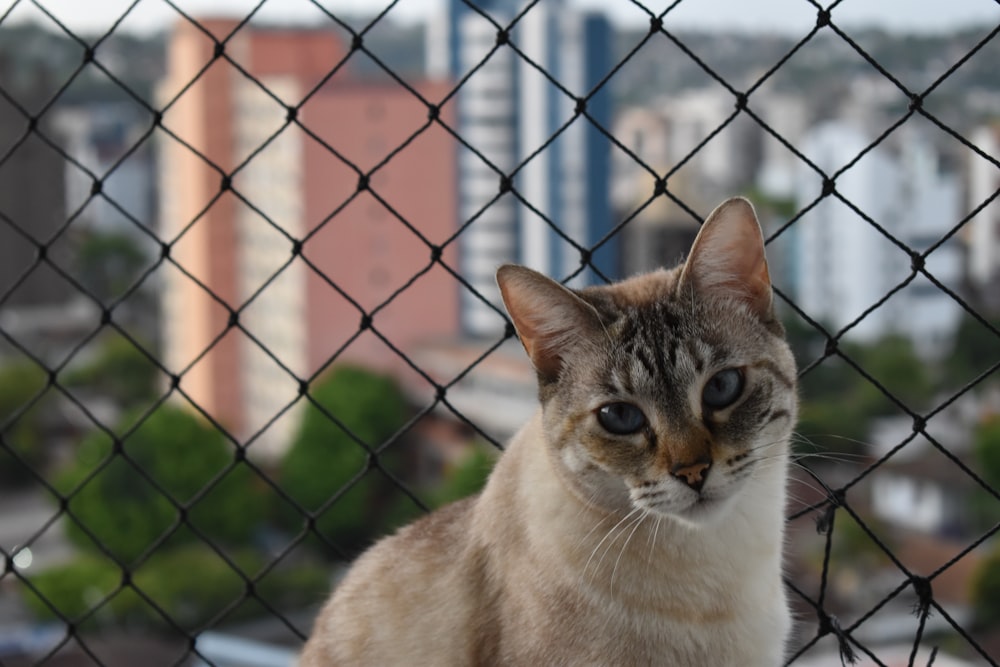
702, 508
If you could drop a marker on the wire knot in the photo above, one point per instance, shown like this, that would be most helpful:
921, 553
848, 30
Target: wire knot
824, 523
925, 596
830, 625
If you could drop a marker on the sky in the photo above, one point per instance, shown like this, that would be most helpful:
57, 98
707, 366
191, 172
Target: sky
781, 16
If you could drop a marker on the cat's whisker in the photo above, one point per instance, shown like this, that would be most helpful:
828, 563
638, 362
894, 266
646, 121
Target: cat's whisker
635, 521
653, 536
802, 438
607, 535
614, 570
834, 457
813, 487
598, 524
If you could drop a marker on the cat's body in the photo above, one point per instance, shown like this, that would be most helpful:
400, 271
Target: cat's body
649, 534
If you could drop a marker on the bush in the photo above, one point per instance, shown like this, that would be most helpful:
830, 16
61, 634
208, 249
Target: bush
324, 458
466, 478
985, 592
119, 371
21, 438
127, 513
192, 585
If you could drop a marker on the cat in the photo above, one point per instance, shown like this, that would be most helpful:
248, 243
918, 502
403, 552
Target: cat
638, 517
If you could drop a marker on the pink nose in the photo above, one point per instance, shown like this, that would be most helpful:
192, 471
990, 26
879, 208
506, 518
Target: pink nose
692, 474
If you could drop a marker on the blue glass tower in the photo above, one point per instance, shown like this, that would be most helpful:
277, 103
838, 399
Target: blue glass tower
522, 116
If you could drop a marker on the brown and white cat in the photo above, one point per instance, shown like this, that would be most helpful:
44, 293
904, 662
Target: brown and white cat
637, 519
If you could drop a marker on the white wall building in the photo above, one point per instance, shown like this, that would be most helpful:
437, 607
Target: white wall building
845, 265
983, 231
98, 137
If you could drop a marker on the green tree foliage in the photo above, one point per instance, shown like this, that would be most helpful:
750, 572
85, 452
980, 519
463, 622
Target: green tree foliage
986, 447
109, 263
460, 480
984, 588
974, 349
466, 478
192, 585
324, 458
120, 371
128, 500
21, 382
839, 402
983, 506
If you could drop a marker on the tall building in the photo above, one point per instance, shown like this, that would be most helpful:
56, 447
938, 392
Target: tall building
274, 231
32, 195
515, 120
983, 231
844, 265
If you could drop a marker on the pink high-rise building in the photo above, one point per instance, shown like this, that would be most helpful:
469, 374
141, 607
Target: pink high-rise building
277, 230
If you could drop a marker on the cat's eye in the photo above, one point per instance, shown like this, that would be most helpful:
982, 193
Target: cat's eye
621, 418
723, 388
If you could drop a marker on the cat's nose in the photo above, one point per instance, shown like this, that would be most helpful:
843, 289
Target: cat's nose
692, 474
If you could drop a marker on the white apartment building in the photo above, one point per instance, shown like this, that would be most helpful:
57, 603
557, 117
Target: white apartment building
845, 266
983, 231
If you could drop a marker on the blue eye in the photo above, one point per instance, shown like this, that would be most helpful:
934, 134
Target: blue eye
723, 388
621, 418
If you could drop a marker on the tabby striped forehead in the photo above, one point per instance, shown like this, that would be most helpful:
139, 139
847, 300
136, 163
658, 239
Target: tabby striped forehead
653, 344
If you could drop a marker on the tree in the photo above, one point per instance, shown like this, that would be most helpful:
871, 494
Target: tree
21, 431
120, 371
326, 460
109, 263
129, 495
974, 349
467, 477
983, 506
984, 588
839, 402
191, 586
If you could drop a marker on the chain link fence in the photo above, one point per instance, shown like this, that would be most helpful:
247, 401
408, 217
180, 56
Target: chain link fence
248, 321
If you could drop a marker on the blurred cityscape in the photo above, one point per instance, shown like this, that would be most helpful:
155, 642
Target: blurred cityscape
197, 225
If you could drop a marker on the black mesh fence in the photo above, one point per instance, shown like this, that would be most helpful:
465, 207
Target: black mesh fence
248, 324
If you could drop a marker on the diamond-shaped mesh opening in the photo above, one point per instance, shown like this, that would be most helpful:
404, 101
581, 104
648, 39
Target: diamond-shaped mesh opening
249, 321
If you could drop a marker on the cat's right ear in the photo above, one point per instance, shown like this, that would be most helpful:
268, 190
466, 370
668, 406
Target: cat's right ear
550, 319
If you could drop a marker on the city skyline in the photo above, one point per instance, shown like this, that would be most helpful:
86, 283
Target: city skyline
768, 16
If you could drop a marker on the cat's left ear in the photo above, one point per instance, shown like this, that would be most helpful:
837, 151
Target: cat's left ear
550, 319
727, 258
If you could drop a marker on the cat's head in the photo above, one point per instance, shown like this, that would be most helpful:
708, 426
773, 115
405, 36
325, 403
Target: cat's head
670, 391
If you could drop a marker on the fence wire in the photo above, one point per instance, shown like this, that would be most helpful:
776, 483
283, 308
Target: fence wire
829, 498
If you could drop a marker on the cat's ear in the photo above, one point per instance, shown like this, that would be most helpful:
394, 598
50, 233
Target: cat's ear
550, 319
727, 258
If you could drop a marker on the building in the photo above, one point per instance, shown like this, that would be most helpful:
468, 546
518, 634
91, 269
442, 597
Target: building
517, 122
289, 259
32, 196
846, 267
105, 139
983, 230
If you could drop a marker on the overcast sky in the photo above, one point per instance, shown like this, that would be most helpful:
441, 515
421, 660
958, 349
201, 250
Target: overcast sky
786, 16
